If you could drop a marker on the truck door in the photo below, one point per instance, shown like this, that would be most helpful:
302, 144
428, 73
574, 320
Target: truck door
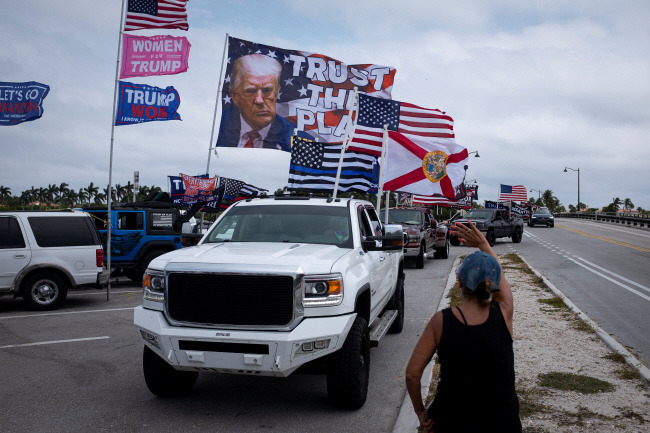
128, 234
379, 262
15, 253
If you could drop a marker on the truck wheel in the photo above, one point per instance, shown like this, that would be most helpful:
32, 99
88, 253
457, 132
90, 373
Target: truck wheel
397, 303
164, 380
44, 291
491, 238
443, 252
135, 274
516, 237
454, 241
349, 368
419, 260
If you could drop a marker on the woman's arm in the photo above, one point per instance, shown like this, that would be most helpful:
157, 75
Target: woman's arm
472, 237
422, 354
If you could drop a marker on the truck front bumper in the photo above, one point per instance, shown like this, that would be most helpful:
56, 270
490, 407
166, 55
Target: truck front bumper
263, 353
411, 250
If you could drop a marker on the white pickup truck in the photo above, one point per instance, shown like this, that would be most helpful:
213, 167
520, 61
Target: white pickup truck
277, 283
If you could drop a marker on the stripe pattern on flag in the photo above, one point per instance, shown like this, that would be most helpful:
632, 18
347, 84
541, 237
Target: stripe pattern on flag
156, 14
400, 117
314, 166
512, 193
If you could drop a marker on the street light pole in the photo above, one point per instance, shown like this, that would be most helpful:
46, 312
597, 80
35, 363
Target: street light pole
578, 170
539, 193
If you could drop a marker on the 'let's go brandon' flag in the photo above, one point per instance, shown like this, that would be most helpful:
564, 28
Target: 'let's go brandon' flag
21, 102
138, 103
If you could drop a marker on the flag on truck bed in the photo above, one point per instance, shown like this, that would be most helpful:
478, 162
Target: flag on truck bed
314, 166
512, 193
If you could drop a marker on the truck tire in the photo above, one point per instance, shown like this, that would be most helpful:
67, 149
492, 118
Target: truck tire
135, 274
397, 303
491, 237
516, 237
44, 291
443, 252
349, 368
162, 379
419, 260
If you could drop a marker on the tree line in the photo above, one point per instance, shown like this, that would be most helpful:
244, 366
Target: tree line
61, 196
547, 199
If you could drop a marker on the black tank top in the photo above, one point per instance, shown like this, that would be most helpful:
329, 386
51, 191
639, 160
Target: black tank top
476, 391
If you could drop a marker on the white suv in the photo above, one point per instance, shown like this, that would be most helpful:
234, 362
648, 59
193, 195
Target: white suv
43, 254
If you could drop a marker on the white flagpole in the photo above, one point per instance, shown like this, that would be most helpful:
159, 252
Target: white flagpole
110, 163
381, 167
345, 143
216, 105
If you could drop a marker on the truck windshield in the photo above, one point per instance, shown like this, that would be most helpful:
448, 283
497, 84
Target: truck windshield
478, 214
402, 216
284, 223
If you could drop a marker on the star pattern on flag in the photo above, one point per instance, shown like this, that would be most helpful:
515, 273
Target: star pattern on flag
149, 7
233, 187
307, 153
376, 112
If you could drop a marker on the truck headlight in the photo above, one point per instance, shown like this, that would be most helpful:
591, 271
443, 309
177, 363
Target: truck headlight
153, 284
323, 290
479, 225
414, 239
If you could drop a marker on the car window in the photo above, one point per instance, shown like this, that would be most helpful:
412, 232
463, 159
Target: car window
130, 221
10, 234
51, 231
403, 216
478, 214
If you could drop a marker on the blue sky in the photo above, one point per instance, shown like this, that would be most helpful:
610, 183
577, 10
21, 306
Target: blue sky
533, 86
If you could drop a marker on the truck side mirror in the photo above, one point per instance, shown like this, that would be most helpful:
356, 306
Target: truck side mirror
392, 239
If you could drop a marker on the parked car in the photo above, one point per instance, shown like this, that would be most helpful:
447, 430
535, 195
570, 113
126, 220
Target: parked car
542, 216
43, 254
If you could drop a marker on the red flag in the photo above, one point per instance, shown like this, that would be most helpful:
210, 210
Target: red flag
156, 14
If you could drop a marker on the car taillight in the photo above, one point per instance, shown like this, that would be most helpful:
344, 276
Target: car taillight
99, 253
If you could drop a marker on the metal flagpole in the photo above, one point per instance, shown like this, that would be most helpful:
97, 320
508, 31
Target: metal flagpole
347, 138
381, 167
216, 105
110, 164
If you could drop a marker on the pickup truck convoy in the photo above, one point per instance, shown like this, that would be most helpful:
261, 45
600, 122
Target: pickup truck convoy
277, 283
494, 223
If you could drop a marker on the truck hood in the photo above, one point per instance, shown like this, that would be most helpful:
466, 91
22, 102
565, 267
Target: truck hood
310, 258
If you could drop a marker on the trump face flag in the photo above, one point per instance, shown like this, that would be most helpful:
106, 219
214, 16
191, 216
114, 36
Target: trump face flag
269, 91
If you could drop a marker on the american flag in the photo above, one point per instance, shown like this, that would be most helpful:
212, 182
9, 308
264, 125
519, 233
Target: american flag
234, 187
512, 193
314, 166
401, 117
156, 14
463, 203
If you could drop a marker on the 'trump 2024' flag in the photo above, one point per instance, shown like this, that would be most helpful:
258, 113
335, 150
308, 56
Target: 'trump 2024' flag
513, 193
402, 117
314, 166
138, 103
156, 14
312, 93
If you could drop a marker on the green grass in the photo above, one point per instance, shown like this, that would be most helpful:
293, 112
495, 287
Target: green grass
574, 382
556, 303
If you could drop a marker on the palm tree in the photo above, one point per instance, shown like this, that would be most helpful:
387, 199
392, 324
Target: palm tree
5, 193
92, 191
549, 200
52, 190
617, 202
25, 198
119, 192
112, 193
42, 195
63, 189
70, 196
143, 192
99, 198
628, 204
128, 190
83, 195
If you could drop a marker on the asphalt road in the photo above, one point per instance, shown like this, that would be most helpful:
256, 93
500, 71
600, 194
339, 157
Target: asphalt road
604, 269
78, 369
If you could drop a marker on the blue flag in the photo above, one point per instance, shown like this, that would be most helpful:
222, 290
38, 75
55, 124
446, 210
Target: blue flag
138, 103
21, 102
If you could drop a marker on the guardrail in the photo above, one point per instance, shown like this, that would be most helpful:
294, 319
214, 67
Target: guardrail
633, 220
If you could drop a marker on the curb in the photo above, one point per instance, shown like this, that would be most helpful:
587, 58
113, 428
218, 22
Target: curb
605, 337
406, 419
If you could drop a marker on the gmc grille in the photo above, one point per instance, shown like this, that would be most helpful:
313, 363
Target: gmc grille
224, 299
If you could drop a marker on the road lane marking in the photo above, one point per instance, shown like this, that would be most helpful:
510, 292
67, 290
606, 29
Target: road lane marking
63, 313
620, 277
628, 288
607, 226
41, 343
612, 241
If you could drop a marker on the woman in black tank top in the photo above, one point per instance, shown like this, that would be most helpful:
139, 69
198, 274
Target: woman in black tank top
476, 391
